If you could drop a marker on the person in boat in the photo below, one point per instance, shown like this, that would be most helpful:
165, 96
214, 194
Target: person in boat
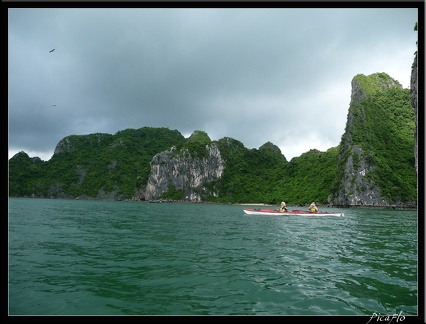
283, 207
313, 208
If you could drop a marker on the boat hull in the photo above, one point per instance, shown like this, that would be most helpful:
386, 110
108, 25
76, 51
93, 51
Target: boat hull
295, 212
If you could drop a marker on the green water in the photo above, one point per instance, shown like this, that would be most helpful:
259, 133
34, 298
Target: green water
70, 257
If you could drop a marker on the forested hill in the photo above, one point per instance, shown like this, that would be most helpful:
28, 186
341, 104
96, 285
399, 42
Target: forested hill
376, 165
159, 163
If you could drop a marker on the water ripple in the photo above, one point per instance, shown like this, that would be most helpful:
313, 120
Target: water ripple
123, 258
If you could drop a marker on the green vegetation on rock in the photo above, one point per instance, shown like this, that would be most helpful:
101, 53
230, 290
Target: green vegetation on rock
382, 124
379, 134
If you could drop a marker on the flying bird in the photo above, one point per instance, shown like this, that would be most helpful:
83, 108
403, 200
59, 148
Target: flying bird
53, 105
51, 51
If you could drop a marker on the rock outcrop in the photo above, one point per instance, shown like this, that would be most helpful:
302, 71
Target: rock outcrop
414, 101
358, 162
357, 189
183, 172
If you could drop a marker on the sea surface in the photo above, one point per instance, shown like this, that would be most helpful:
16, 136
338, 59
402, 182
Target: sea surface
73, 257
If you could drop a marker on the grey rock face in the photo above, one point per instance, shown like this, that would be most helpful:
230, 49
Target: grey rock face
179, 170
414, 103
355, 188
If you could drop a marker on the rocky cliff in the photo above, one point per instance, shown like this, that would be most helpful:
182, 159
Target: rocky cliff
414, 100
370, 138
374, 164
183, 172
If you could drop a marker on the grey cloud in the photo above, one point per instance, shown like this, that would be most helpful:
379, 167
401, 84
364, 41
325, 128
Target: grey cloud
219, 70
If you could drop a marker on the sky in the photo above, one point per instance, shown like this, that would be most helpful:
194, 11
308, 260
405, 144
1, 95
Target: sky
258, 75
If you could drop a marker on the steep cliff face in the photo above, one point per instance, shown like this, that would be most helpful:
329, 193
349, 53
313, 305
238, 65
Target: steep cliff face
414, 102
357, 189
375, 132
183, 172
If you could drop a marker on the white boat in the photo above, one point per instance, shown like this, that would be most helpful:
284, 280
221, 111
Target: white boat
294, 212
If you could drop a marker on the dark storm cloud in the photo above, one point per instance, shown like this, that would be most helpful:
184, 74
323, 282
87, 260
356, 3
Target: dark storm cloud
257, 75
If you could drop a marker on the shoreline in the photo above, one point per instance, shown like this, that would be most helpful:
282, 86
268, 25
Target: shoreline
229, 203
